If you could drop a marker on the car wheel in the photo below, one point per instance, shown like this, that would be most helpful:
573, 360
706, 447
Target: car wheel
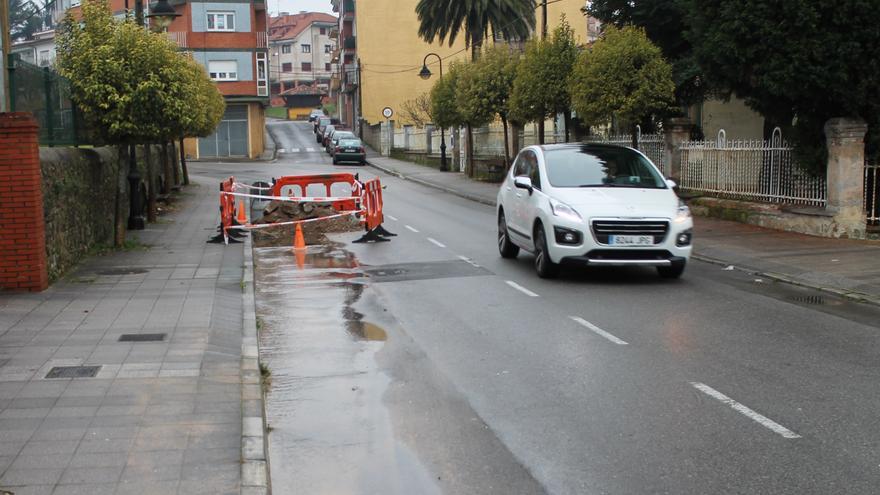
363, 163
335, 161
545, 267
505, 247
673, 271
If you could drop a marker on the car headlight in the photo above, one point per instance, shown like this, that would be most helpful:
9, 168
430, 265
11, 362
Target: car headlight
562, 210
683, 214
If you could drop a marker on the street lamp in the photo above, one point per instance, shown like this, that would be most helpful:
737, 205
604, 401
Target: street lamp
425, 74
163, 14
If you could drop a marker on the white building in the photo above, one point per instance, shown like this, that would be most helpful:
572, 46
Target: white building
301, 50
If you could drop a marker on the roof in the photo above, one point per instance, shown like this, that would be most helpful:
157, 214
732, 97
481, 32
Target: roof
286, 27
303, 90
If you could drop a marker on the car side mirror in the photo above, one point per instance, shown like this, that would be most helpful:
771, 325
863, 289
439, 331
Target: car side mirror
671, 183
523, 182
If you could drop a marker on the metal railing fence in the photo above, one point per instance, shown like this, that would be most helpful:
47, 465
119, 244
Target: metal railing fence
652, 145
751, 170
872, 193
46, 95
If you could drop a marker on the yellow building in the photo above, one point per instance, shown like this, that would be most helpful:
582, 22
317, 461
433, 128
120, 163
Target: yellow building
391, 52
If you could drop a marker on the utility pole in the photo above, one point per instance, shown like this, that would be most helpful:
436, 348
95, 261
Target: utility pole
544, 20
5, 104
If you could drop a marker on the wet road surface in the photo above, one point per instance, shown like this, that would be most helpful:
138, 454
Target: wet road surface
604, 381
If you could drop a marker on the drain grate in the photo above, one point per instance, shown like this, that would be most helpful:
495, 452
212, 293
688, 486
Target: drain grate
816, 300
73, 372
142, 337
123, 271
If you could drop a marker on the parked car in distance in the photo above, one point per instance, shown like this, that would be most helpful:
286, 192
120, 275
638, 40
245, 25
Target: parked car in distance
592, 204
315, 114
325, 137
349, 150
336, 136
320, 122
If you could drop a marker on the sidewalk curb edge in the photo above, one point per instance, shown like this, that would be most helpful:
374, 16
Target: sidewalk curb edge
425, 183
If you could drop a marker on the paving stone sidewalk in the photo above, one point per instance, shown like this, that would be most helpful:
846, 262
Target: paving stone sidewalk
160, 416
842, 266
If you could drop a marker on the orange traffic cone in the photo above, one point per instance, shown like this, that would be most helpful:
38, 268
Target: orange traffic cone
242, 216
299, 242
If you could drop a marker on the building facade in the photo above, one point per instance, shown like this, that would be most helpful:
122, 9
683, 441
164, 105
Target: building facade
38, 51
301, 51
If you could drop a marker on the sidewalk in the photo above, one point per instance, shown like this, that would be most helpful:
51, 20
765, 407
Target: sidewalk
163, 413
842, 266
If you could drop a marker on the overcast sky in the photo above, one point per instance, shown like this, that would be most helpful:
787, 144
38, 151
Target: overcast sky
294, 6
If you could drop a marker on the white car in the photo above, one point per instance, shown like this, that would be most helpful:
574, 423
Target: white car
594, 204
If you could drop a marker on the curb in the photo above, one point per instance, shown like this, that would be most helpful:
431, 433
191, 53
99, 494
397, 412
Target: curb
854, 296
254, 441
432, 185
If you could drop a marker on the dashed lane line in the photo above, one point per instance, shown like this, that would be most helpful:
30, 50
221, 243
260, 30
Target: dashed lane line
745, 411
390, 217
411, 229
282, 150
521, 289
310, 150
436, 242
468, 261
598, 331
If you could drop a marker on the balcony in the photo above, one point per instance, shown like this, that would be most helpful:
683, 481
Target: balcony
349, 43
179, 37
348, 8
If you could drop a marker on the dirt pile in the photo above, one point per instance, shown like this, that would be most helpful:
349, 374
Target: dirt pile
314, 232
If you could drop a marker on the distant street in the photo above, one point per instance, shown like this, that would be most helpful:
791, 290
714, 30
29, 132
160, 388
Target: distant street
488, 379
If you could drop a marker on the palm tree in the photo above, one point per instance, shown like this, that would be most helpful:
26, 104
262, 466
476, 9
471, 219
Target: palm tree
444, 19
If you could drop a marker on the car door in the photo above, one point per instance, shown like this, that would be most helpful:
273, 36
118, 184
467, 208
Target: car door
531, 203
518, 223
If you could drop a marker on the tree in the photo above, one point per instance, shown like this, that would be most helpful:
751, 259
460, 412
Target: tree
444, 105
444, 19
540, 88
664, 22
795, 60
485, 89
417, 111
624, 75
27, 17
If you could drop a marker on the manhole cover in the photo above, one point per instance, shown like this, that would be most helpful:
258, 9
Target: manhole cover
123, 271
424, 271
73, 372
142, 337
817, 300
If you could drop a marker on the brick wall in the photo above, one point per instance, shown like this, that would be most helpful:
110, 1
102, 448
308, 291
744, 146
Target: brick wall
22, 228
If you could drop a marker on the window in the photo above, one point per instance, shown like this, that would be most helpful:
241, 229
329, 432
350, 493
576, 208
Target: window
306, 48
323, 30
221, 21
287, 67
262, 80
45, 58
223, 70
598, 166
327, 67
328, 48
285, 48
307, 66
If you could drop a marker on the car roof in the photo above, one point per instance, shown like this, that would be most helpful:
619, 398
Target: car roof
582, 145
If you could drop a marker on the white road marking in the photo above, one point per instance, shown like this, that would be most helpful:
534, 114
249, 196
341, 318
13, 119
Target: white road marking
598, 331
282, 150
521, 289
310, 150
468, 261
745, 411
294, 150
410, 228
390, 217
436, 242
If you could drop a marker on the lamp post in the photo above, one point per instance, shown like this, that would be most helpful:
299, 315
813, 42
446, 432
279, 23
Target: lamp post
162, 14
425, 74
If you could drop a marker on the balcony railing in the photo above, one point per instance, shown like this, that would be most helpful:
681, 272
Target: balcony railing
349, 43
178, 37
262, 39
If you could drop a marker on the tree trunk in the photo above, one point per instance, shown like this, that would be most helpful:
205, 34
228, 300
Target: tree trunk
121, 196
152, 207
515, 143
541, 130
506, 144
166, 170
568, 133
176, 168
635, 136
469, 151
183, 164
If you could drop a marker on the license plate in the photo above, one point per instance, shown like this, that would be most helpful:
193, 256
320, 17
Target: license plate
631, 240
350, 151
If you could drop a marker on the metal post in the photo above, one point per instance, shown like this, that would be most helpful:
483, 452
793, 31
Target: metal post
50, 110
544, 20
444, 167
10, 74
5, 41
135, 219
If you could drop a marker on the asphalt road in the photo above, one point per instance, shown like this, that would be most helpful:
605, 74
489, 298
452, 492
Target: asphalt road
492, 380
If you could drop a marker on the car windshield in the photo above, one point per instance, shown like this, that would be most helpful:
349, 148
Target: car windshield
339, 136
600, 166
324, 120
350, 143
328, 129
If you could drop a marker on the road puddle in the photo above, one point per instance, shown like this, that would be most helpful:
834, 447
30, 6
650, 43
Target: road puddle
330, 430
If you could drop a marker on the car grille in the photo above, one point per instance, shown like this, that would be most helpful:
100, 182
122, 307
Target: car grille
602, 229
